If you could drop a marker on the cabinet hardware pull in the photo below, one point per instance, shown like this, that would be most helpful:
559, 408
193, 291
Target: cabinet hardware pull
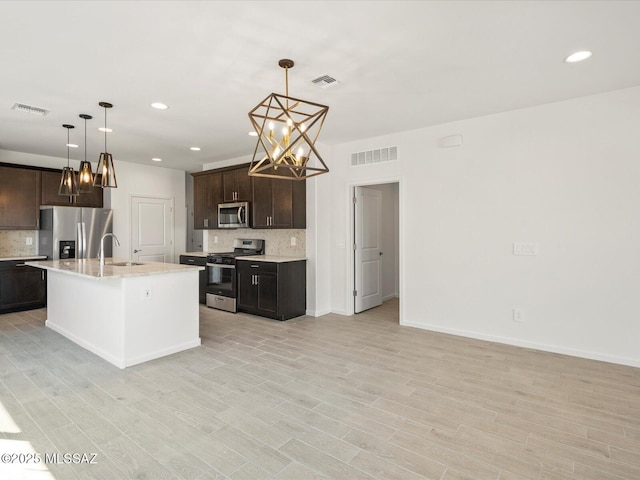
255, 266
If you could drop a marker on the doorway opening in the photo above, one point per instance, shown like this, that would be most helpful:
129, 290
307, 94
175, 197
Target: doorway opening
376, 252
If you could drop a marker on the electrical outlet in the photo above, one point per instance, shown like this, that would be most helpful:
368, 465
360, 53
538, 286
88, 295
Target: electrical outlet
294, 241
29, 240
146, 293
518, 315
215, 239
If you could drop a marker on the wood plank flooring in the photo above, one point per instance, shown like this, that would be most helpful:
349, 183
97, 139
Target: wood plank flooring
316, 398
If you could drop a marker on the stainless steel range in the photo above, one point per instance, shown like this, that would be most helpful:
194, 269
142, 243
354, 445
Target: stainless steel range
221, 273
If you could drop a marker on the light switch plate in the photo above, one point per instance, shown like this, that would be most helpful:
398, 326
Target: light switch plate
29, 240
527, 249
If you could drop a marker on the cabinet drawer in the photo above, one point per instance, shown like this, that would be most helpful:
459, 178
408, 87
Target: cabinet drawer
258, 267
193, 260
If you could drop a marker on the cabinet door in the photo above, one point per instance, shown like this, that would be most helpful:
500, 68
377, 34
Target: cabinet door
229, 186
268, 294
243, 184
262, 203
22, 287
282, 199
50, 185
19, 199
94, 198
237, 185
247, 291
207, 193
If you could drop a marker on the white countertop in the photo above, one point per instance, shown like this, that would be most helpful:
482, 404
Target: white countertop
91, 268
271, 258
28, 257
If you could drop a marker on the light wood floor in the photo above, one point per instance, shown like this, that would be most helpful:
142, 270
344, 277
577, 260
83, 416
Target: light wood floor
316, 398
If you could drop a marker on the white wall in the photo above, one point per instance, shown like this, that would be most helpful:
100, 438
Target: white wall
565, 176
137, 179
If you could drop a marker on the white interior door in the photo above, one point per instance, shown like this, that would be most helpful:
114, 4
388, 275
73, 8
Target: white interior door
152, 229
368, 268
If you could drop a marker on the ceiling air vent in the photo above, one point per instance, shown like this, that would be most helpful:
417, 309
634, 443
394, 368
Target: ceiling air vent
325, 81
386, 154
21, 107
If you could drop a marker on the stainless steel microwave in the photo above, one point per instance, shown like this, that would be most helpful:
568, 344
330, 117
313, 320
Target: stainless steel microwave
233, 215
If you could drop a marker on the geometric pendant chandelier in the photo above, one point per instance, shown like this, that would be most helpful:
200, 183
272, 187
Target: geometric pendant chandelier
68, 181
287, 131
105, 175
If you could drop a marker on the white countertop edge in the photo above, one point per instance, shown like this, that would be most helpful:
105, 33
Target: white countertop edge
91, 269
271, 258
24, 257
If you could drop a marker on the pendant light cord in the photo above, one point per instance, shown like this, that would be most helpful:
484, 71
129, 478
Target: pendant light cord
68, 147
105, 129
85, 139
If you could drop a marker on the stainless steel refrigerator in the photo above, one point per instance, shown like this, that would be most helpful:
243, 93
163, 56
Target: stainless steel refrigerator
74, 232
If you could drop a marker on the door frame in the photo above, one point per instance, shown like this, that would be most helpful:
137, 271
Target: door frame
350, 253
173, 221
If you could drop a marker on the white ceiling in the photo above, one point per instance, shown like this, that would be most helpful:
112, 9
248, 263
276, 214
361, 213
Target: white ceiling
401, 66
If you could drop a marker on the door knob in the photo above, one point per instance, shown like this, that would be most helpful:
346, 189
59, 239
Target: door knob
136, 251
380, 253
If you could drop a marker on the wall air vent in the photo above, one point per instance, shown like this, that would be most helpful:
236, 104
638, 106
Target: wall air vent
325, 81
386, 154
21, 107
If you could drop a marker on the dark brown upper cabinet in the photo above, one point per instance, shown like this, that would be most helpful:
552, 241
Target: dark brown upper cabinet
207, 194
19, 198
236, 185
279, 203
50, 185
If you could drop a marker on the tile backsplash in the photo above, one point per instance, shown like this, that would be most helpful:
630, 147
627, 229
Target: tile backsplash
277, 242
13, 243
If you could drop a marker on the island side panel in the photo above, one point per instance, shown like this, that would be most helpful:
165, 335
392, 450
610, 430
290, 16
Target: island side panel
161, 315
89, 312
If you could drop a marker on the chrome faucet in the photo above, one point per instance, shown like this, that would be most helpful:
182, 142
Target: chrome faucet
101, 251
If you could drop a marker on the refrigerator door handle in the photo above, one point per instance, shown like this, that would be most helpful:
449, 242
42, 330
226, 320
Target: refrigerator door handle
82, 241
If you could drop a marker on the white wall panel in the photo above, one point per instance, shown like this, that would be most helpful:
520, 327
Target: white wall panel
564, 176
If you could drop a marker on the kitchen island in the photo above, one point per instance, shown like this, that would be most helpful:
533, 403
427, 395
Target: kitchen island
124, 312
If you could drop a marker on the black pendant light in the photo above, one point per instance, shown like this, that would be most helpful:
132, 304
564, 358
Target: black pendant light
85, 174
68, 182
105, 176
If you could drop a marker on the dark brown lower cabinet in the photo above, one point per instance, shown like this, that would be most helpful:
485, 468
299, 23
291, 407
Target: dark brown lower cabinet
199, 261
272, 289
21, 287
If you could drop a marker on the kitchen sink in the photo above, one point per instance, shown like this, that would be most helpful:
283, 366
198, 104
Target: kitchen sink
124, 264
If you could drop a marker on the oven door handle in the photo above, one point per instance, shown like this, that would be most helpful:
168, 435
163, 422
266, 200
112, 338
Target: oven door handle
216, 265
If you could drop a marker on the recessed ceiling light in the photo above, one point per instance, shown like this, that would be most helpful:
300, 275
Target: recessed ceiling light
578, 56
156, 159
253, 134
159, 106
195, 149
103, 129
72, 145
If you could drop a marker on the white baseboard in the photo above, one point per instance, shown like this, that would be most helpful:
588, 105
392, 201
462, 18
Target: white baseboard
631, 362
317, 313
